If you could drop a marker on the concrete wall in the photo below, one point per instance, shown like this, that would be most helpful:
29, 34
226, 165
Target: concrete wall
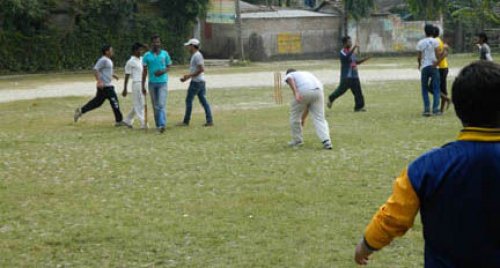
319, 37
388, 34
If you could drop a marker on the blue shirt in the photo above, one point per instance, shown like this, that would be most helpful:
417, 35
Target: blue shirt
348, 67
155, 62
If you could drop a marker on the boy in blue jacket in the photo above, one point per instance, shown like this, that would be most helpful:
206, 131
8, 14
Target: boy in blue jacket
456, 188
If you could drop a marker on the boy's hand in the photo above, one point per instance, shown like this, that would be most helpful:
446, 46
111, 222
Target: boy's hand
144, 92
362, 253
185, 78
298, 97
116, 77
100, 84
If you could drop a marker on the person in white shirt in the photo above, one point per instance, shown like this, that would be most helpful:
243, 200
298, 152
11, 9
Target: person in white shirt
428, 58
197, 85
484, 48
134, 69
308, 94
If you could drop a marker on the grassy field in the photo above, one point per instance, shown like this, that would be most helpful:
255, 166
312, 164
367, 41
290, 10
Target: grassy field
92, 195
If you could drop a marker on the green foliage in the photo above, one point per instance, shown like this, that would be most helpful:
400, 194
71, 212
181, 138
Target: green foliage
427, 9
474, 11
30, 42
358, 9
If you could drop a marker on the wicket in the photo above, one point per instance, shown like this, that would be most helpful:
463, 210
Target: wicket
277, 94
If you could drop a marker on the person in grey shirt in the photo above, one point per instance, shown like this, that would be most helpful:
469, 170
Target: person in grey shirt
484, 48
105, 90
197, 85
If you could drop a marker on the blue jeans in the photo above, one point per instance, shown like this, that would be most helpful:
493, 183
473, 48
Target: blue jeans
159, 93
431, 73
197, 89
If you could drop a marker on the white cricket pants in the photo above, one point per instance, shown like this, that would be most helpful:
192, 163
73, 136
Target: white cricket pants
313, 100
138, 105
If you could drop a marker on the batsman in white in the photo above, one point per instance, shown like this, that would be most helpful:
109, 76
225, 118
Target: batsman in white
308, 94
134, 69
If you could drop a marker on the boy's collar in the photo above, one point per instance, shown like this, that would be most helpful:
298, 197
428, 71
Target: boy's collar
479, 134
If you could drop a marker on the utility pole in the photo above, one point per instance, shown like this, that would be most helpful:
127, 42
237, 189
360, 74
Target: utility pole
239, 31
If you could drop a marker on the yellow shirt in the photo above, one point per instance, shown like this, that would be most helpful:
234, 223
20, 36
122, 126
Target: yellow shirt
444, 63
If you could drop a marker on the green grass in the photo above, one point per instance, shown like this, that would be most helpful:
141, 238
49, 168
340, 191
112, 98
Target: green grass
91, 195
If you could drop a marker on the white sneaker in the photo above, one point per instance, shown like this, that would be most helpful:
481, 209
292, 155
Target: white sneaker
327, 145
295, 143
78, 114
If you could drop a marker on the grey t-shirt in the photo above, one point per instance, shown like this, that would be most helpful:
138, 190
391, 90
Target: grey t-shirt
196, 60
485, 52
104, 67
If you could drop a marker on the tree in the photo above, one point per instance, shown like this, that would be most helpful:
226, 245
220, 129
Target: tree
356, 9
427, 9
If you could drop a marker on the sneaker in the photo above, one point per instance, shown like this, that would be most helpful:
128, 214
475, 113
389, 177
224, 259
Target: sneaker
78, 114
123, 124
161, 130
360, 110
437, 113
329, 104
144, 126
327, 145
211, 124
182, 124
295, 143
426, 114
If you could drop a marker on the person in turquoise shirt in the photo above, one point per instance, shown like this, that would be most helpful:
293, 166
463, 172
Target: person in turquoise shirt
157, 63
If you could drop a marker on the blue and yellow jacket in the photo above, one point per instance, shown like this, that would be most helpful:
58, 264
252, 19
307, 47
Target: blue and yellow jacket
457, 190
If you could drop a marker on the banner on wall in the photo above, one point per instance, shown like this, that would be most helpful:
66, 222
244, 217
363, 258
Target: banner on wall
221, 11
289, 43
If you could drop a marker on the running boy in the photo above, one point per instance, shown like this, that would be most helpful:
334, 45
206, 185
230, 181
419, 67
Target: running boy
105, 89
134, 69
349, 77
455, 187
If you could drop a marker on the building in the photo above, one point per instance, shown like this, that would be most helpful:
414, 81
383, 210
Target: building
273, 33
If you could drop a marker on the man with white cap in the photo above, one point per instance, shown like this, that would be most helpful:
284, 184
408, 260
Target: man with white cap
197, 84
308, 94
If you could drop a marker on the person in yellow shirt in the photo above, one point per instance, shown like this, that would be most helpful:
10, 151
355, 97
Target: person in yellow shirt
443, 70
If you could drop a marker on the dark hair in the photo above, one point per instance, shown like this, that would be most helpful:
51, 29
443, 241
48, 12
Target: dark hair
196, 46
429, 29
155, 36
136, 46
345, 39
105, 49
436, 32
483, 36
476, 94
291, 70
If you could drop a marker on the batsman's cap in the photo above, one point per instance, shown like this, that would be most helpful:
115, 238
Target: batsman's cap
193, 42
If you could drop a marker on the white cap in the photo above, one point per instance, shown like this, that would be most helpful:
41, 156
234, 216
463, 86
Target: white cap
194, 42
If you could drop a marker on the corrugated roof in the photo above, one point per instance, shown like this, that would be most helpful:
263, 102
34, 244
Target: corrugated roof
284, 13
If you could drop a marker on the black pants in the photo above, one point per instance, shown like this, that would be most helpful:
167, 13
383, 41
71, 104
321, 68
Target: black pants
101, 95
355, 86
443, 76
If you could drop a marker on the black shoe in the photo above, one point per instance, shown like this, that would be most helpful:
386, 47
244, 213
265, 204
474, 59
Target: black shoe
161, 130
360, 110
182, 124
426, 114
210, 124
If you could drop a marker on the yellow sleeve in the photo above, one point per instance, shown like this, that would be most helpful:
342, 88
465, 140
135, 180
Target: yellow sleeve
396, 216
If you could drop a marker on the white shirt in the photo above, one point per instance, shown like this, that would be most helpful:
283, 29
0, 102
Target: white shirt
197, 60
427, 46
305, 81
134, 68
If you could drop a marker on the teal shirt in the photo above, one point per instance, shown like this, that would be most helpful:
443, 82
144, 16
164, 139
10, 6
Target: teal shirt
155, 62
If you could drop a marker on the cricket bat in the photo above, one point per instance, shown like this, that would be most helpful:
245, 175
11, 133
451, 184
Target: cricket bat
145, 113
